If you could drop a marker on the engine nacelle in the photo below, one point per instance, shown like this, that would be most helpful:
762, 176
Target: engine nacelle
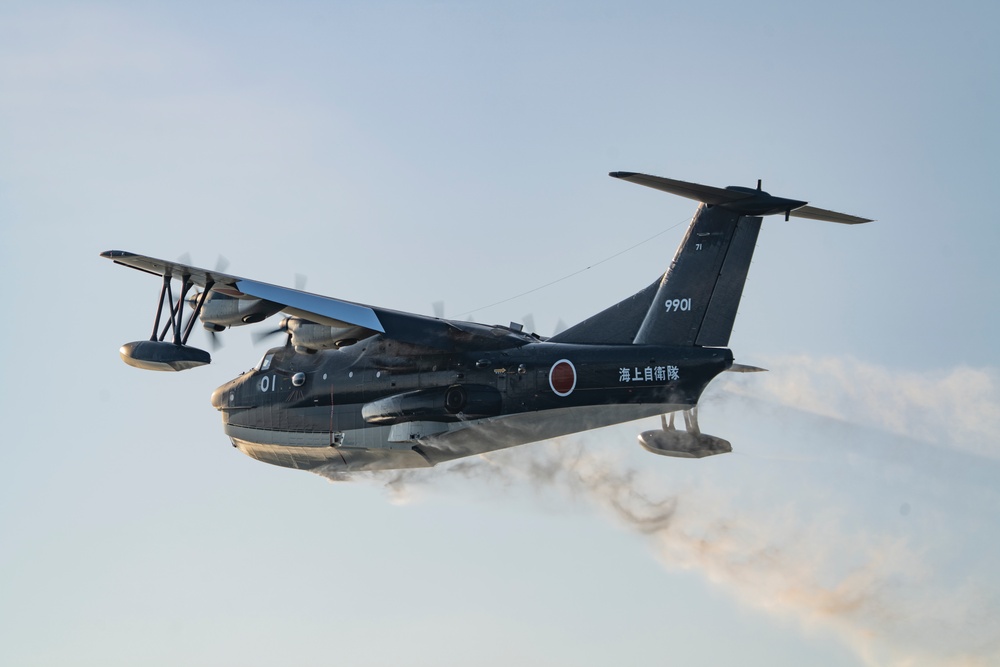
312, 336
222, 310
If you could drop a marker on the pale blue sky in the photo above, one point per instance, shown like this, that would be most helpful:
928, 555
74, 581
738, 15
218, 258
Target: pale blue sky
407, 153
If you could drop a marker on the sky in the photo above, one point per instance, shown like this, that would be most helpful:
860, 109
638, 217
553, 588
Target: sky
403, 154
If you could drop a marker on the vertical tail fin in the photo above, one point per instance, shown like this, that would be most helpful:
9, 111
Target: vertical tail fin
695, 302
699, 294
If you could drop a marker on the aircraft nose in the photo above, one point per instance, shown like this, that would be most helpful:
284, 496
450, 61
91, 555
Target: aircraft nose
220, 397
232, 394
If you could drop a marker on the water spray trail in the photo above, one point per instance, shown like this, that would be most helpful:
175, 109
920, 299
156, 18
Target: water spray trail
813, 559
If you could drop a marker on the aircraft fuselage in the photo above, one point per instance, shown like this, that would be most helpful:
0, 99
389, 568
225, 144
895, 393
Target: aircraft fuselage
383, 404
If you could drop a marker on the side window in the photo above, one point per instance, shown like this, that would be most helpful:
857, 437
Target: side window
265, 363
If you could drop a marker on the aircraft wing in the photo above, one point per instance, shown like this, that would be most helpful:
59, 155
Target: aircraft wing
406, 327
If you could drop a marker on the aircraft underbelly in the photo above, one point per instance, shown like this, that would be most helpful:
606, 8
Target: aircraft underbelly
383, 448
486, 435
346, 459
370, 449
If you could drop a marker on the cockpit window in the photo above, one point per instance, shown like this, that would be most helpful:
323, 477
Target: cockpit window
265, 363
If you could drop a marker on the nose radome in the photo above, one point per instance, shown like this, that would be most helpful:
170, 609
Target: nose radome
220, 397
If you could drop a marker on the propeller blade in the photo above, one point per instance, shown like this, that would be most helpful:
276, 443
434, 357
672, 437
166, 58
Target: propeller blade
260, 336
214, 341
282, 327
438, 307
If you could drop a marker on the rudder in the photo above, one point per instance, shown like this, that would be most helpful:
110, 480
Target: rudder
700, 293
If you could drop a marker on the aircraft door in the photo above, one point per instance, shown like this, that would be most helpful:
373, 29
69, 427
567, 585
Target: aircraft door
515, 380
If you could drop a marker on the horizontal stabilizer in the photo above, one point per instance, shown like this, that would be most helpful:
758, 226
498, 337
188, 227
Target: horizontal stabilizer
702, 193
813, 213
747, 201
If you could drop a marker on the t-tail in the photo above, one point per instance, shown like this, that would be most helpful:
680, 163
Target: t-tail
695, 302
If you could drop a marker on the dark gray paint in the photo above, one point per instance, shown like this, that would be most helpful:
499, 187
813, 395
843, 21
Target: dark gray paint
395, 390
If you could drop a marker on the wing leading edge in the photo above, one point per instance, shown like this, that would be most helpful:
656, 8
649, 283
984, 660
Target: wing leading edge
363, 320
320, 309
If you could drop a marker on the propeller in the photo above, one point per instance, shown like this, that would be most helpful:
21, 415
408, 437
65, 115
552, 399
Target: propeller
221, 264
260, 336
214, 341
438, 309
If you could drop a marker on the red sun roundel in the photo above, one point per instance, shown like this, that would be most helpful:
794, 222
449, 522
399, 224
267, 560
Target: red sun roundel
562, 377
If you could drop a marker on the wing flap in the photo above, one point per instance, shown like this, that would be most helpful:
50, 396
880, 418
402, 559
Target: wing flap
319, 309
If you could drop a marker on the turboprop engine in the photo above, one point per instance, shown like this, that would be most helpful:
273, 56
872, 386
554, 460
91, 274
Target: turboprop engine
221, 310
309, 337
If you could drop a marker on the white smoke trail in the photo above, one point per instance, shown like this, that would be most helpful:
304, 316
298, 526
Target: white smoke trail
958, 408
814, 559
873, 591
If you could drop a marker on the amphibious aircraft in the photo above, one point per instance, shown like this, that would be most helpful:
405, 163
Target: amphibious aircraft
358, 387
